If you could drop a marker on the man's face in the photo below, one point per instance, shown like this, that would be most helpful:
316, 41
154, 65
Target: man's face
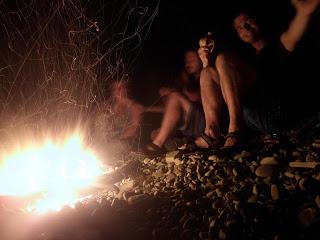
247, 28
192, 62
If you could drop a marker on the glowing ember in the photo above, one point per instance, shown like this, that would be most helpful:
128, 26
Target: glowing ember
55, 172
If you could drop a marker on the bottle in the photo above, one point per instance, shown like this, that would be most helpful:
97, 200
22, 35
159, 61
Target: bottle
207, 42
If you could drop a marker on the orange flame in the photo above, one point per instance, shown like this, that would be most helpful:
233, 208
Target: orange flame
56, 172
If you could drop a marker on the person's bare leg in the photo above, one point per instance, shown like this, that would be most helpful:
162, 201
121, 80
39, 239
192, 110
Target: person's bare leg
233, 75
177, 103
212, 102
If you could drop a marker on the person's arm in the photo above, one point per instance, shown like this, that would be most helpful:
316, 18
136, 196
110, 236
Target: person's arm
300, 22
136, 113
204, 55
155, 109
164, 91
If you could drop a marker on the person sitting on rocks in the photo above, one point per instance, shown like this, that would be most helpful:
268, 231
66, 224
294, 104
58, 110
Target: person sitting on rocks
125, 106
224, 81
268, 113
129, 111
183, 109
253, 98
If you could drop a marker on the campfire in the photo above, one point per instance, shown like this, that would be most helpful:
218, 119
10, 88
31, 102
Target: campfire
49, 175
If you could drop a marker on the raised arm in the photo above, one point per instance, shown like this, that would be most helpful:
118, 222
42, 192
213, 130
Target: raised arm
300, 22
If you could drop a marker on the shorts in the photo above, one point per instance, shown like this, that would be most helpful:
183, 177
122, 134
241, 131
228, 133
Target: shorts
193, 121
264, 118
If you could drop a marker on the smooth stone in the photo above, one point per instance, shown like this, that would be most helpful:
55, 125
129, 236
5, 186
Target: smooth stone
170, 177
289, 174
252, 199
307, 216
242, 155
264, 171
269, 161
213, 158
170, 156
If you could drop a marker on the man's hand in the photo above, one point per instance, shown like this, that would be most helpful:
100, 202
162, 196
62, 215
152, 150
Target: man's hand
300, 22
165, 91
204, 55
305, 7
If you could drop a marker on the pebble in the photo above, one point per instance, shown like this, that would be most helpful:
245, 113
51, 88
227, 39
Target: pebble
269, 161
264, 171
307, 216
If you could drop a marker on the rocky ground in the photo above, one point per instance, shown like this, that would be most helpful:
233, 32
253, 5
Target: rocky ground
259, 192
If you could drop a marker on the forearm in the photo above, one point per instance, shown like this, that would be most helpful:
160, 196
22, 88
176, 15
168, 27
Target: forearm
300, 22
295, 32
166, 91
157, 109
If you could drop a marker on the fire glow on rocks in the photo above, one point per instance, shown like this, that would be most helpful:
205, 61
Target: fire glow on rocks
53, 173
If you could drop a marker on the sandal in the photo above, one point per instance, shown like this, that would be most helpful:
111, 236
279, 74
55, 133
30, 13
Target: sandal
154, 150
239, 141
213, 143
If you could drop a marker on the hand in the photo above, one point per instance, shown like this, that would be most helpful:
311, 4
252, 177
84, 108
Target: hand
204, 55
165, 91
306, 7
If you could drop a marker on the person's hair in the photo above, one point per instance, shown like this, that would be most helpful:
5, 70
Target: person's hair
269, 24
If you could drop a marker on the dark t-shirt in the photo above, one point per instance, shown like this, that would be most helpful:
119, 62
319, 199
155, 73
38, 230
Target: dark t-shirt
270, 109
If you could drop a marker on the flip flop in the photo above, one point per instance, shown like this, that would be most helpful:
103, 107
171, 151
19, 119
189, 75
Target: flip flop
213, 143
154, 150
149, 150
239, 145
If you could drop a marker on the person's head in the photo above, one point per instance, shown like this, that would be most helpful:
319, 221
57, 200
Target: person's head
192, 62
247, 28
120, 89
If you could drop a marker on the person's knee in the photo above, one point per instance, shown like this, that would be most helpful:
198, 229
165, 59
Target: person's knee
175, 96
206, 75
178, 100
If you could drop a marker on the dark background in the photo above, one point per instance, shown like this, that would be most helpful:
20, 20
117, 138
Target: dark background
179, 25
140, 40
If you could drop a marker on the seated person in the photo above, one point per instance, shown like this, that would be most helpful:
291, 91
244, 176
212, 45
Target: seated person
259, 94
268, 112
224, 80
183, 108
125, 106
